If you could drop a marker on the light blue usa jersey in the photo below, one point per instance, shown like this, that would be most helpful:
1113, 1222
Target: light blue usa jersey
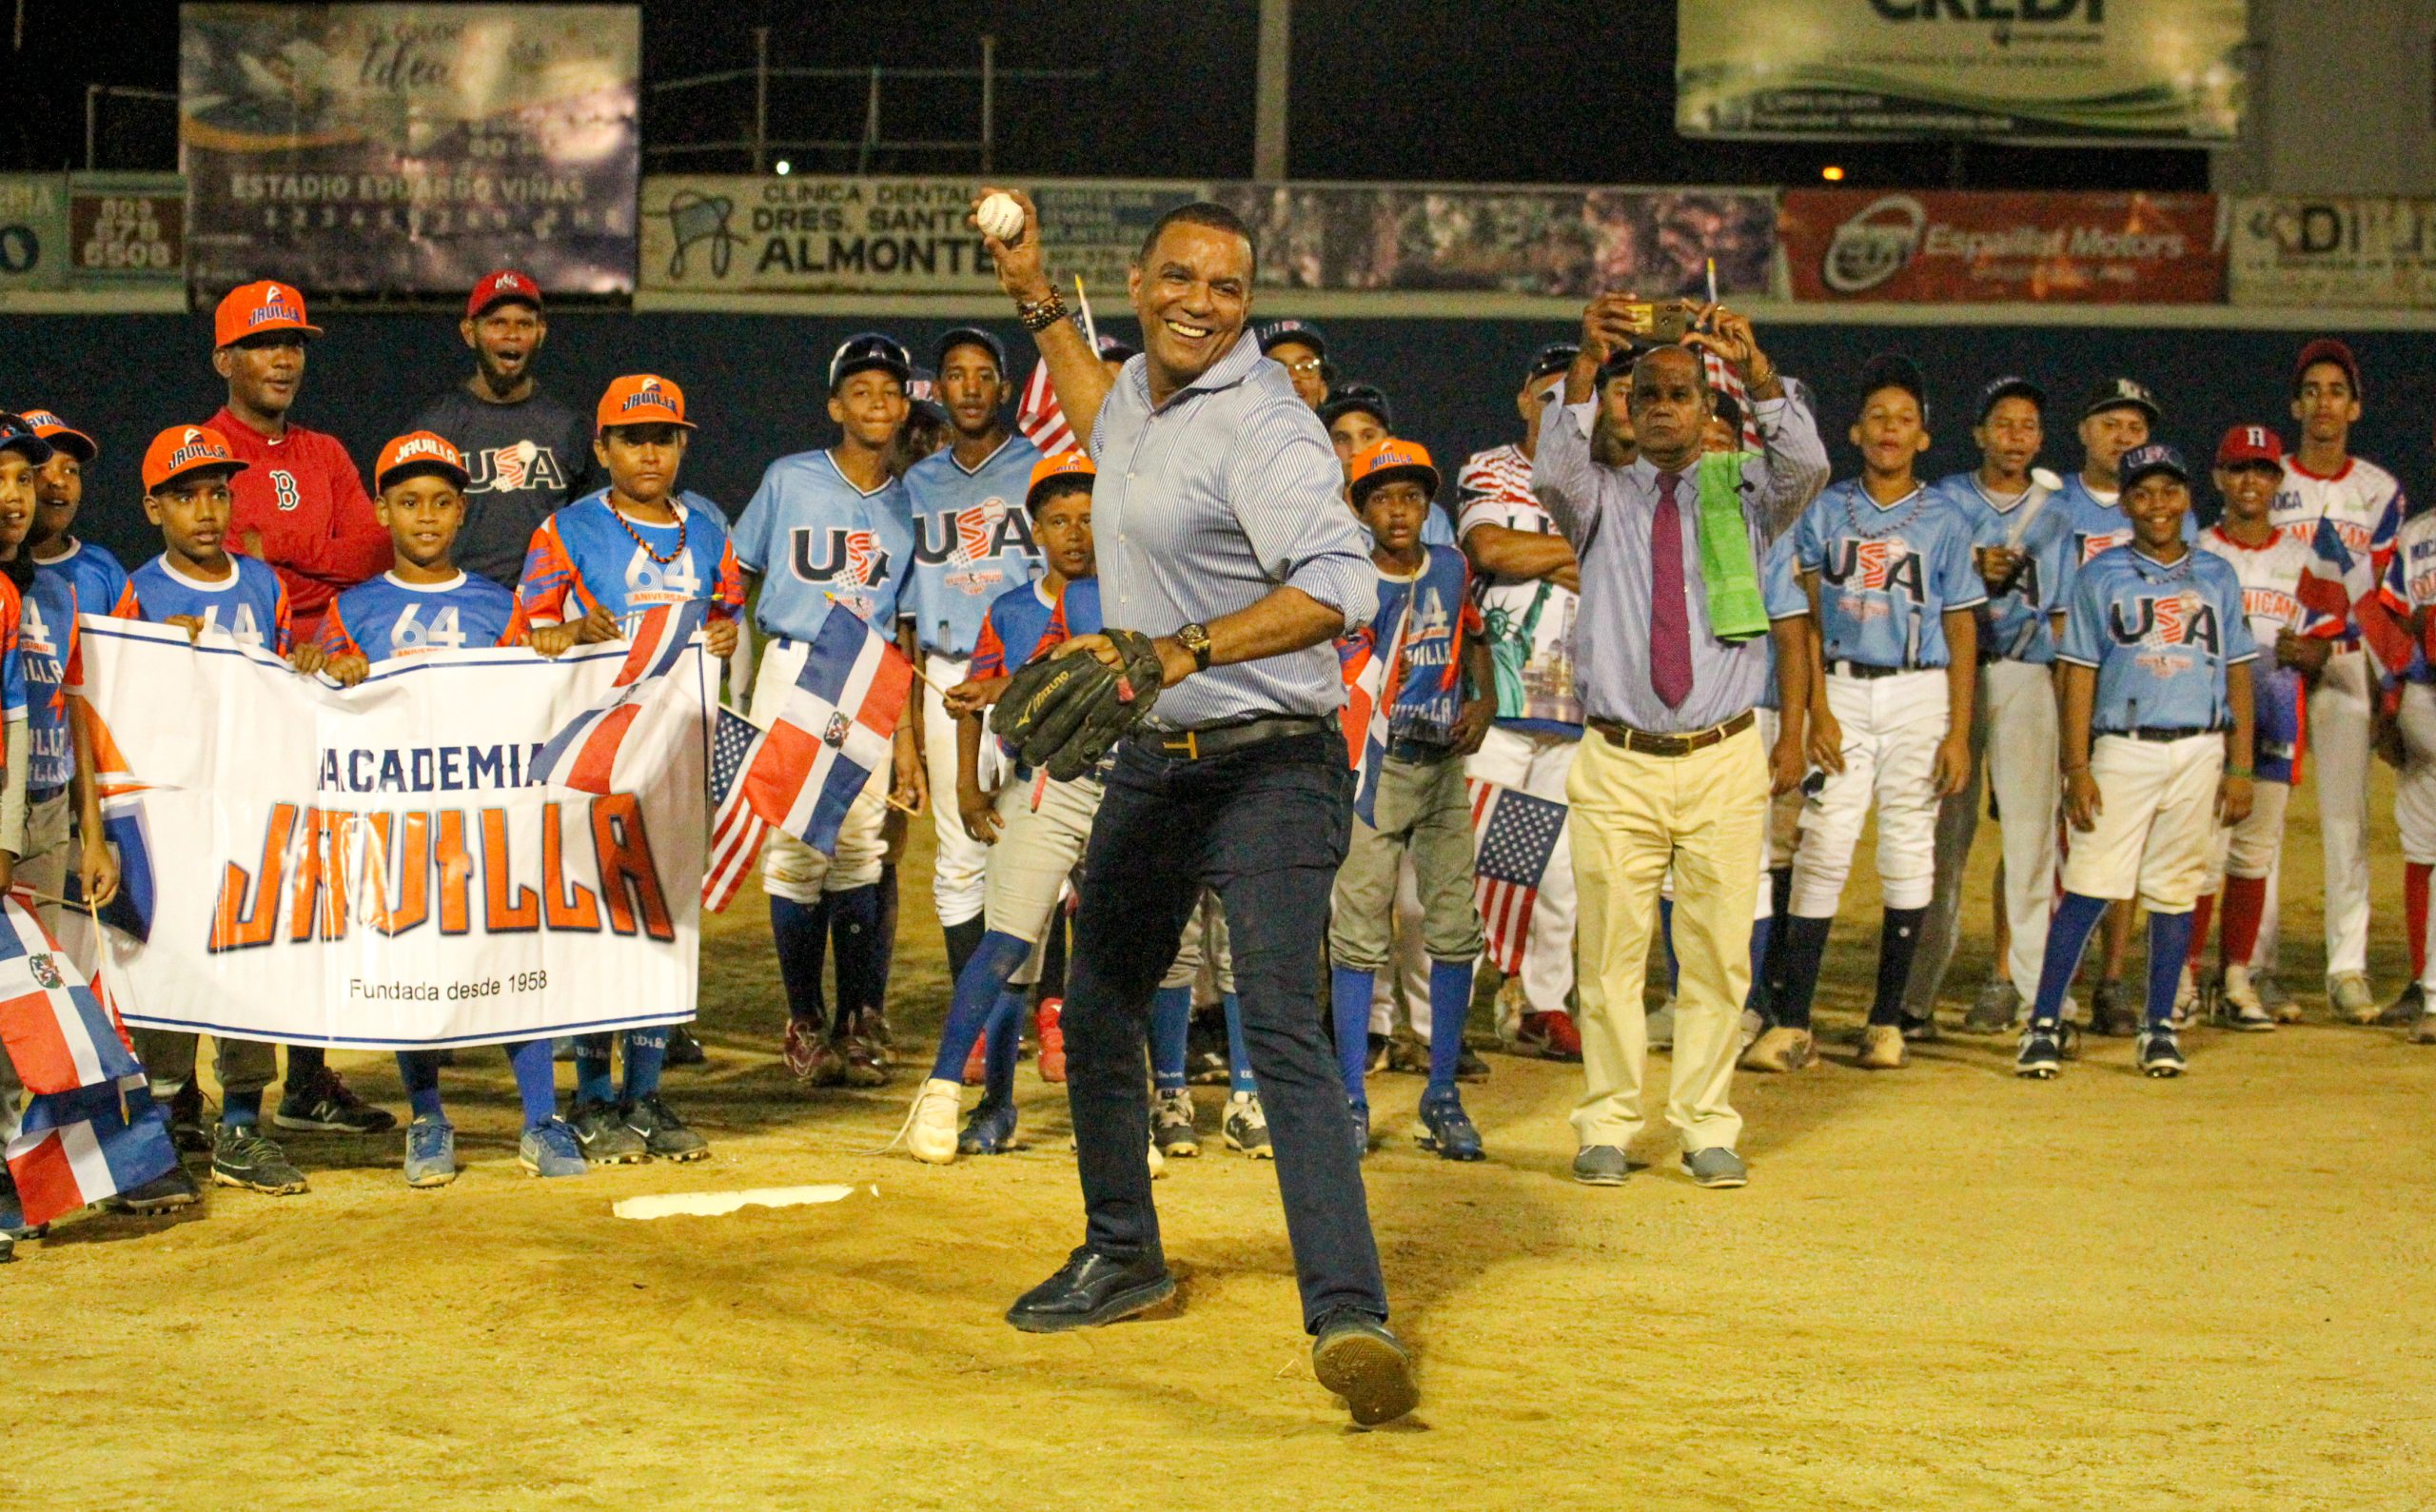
810, 534
2160, 637
2015, 624
1887, 573
1780, 592
971, 542
2094, 526
384, 618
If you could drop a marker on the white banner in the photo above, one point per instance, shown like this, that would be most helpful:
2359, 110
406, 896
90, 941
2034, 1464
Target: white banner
2333, 250
375, 867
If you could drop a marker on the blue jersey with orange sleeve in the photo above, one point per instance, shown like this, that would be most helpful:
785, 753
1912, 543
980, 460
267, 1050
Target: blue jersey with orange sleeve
47, 640
12, 662
1435, 609
385, 618
249, 604
97, 575
589, 554
1023, 622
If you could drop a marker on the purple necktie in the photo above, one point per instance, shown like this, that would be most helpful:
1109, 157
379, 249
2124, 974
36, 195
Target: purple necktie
1670, 629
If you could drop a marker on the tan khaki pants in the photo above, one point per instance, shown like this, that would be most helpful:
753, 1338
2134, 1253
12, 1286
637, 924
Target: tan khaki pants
1633, 815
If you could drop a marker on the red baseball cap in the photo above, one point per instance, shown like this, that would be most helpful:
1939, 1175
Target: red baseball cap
499, 288
641, 399
62, 436
1389, 460
182, 449
419, 451
1066, 465
2245, 445
255, 309
2327, 349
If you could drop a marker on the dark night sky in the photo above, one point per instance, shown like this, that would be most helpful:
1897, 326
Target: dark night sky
1565, 92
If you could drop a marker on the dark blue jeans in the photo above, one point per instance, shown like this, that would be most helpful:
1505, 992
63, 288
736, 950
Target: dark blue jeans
1267, 827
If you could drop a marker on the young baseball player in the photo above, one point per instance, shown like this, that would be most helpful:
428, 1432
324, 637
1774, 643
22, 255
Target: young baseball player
2406, 736
526, 452
198, 583
22, 453
1887, 564
1299, 347
971, 542
1035, 828
2296, 605
425, 603
830, 527
1767, 1045
2018, 541
1442, 686
2365, 503
592, 569
59, 495
2155, 664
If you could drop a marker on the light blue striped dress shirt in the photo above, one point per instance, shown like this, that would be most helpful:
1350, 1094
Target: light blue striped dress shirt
1208, 504
1606, 512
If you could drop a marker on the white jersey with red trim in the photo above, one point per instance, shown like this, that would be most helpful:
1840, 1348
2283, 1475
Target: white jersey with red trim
2276, 599
2363, 500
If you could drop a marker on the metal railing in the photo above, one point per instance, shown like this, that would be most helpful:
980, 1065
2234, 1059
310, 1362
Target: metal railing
760, 144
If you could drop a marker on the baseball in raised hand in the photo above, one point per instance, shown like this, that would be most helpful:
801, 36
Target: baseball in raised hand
1014, 249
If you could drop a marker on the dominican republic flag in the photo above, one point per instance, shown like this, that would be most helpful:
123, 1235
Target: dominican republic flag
1371, 678
92, 1129
1039, 418
1514, 835
830, 733
736, 830
583, 755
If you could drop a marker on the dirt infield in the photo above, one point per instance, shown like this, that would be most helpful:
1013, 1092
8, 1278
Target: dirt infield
1944, 1288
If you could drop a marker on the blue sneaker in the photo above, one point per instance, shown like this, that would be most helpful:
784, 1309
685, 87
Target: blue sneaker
431, 1153
2041, 1055
1360, 1129
990, 1131
2160, 1055
1451, 1135
551, 1149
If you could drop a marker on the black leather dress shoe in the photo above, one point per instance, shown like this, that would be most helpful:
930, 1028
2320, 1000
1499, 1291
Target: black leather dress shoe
1355, 1356
1093, 1288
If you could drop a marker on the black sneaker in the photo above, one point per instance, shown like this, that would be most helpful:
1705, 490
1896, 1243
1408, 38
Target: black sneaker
327, 1105
600, 1129
190, 1124
663, 1134
2041, 1055
683, 1048
2403, 1010
2160, 1055
245, 1157
162, 1193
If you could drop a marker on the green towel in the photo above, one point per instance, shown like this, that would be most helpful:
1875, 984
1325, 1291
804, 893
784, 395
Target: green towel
1729, 570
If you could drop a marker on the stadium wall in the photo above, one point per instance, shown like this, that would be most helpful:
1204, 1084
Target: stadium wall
753, 382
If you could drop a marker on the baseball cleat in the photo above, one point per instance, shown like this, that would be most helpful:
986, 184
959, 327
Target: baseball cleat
431, 1153
190, 1126
244, 1157
2186, 998
1782, 1049
327, 1105
1451, 1134
801, 1048
2423, 1031
1994, 1010
2041, 1054
2277, 997
1360, 1113
930, 1130
664, 1134
1171, 1124
2238, 1004
167, 1192
1881, 1048
2404, 1009
550, 1150
2160, 1054
604, 1135
2349, 998
865, 1060
1246, 1128
990, 1131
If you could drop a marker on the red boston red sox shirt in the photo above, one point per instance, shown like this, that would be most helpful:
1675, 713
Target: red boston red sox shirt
304, 497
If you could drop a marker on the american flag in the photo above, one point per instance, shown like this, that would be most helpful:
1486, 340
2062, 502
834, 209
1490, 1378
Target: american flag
1723, 380
1515, 833
1038, 416
736, 830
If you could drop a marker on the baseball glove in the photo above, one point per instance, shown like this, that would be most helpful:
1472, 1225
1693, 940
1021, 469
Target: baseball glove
1063, 713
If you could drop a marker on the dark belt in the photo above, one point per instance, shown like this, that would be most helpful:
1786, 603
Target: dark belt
2167, 734
1645, 743
1217, 739
1418, 753
45, 794
1865, 671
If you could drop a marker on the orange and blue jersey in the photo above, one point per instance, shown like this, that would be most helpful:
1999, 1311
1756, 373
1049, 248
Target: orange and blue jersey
97, 575
1434, 607
47, 646
250, 604
590, 556
13, 662
387, 619
1025, 623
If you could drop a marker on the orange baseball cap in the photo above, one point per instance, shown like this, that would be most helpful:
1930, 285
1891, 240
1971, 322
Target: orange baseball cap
253, 309
182, 449
503, 287
62, 436
1050, 469
1390, 460
641, 399
419, 451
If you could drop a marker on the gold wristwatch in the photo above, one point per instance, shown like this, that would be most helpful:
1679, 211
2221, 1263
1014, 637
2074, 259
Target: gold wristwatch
1195, 639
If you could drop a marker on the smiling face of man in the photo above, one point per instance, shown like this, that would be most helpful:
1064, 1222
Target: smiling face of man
1192, 291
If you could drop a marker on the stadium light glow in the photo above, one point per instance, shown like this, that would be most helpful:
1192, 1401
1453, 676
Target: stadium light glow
1832, 173
784, 168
